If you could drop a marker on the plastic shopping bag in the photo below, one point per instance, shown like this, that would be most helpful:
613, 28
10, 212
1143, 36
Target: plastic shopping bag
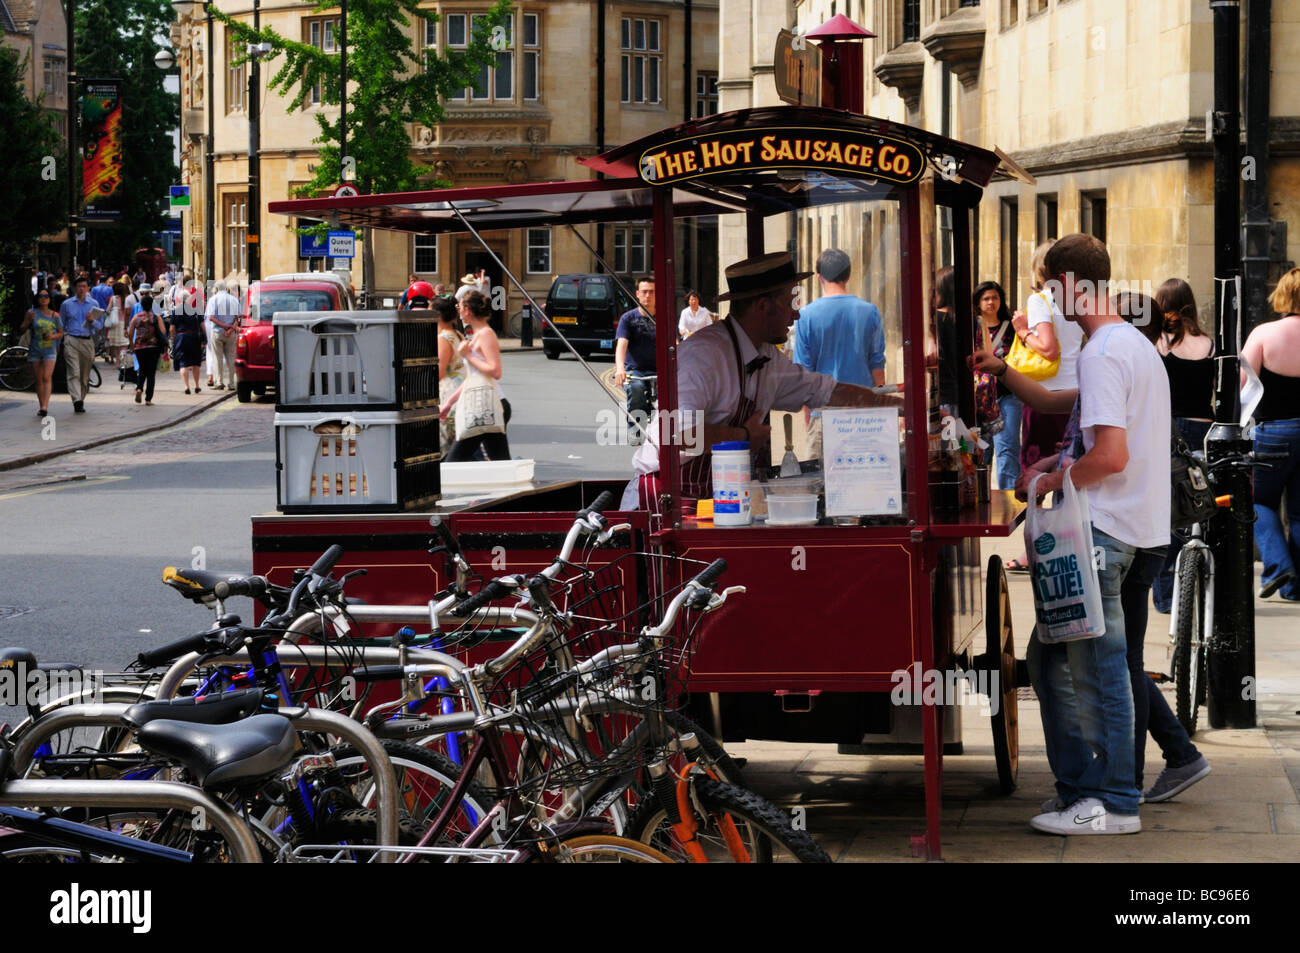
1067, 594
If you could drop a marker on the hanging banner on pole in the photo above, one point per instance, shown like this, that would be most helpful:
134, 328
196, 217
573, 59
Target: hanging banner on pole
102, 154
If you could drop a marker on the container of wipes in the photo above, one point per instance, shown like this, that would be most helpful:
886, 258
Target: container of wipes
731, 502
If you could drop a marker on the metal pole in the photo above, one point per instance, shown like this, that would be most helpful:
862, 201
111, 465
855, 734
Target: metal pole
1231, 650
1255, 261
209, 173
343, 89
254, 238
74, 115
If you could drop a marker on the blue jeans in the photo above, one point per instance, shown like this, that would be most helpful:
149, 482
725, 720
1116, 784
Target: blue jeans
1006, 443
1086, 698
1162, 590
1151, 711
1279, 556
639, 388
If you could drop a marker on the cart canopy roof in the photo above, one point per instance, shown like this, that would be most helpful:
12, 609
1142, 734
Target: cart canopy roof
784, 158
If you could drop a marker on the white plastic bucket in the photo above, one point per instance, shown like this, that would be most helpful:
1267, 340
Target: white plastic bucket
731, 502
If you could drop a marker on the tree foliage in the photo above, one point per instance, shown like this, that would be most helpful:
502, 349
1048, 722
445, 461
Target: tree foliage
117, 39
390, 85
34, 186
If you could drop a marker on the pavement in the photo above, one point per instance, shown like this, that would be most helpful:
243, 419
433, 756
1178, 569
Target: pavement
867, 807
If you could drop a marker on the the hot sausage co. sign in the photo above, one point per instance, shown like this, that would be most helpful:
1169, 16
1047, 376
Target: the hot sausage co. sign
748, 150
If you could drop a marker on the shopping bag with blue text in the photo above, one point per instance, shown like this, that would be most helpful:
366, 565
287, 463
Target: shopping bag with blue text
1067, 594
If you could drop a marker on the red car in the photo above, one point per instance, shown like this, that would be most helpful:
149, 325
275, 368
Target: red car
255, 351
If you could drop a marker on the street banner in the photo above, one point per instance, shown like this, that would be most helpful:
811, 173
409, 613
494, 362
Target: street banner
102, 153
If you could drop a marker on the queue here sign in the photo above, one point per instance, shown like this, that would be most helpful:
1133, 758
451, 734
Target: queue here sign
802, 147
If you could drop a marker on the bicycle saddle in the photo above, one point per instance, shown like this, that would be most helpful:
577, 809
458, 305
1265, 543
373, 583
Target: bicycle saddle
197, 584
224, 755
219, 709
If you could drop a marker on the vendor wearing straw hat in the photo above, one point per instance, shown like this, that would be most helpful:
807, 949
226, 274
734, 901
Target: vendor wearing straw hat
730, 376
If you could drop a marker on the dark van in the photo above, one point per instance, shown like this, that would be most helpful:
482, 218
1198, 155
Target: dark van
586, 309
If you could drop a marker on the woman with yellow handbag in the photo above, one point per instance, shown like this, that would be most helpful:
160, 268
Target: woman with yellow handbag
1046, 350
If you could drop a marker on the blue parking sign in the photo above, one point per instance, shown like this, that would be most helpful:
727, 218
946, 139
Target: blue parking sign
309, 246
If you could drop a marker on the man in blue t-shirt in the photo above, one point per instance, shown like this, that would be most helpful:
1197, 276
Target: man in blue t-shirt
840, 334
634, 359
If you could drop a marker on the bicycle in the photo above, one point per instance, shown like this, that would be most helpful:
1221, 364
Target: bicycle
1191, 621
15, 370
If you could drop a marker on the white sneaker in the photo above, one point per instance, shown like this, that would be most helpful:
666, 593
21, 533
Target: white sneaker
1086, 816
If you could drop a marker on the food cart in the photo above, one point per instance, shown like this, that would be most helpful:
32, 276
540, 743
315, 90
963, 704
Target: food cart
885, 589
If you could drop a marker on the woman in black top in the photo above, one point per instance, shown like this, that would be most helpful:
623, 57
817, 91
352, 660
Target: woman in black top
1273, 351
1188, 355
989, 303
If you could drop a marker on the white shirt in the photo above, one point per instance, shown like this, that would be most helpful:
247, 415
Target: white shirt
1041, 309
707, 381
223, 305
1122, 383
692, 321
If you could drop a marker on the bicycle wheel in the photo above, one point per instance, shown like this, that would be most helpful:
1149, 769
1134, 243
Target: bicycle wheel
425, 779
766, 832
95, 379
1189, 639
15, 371
607, 849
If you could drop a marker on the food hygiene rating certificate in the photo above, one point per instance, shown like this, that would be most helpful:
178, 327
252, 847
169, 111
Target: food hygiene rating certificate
861, 462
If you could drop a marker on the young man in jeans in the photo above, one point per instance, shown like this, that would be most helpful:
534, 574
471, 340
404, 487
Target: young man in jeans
1083, 686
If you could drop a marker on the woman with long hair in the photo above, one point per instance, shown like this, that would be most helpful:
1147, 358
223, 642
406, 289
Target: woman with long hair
989, 302
1188, 355
451, 366
482, 353
44, 348
1273, 351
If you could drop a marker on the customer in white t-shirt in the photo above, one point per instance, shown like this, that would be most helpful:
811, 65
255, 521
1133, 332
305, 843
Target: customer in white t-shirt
1084, 687
694, 316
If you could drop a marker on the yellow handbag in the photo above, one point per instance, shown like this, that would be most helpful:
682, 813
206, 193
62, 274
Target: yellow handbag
1029, 362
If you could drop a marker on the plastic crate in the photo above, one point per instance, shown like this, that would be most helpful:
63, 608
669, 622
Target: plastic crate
365, 461
356, 360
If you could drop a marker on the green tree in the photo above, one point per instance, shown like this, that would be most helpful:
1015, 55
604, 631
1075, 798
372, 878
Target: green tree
390, 85
33, 189
117, 39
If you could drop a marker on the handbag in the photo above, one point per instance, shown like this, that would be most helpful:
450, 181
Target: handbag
1029, 362
1067, 592
1192, 497
987, 411
478, 411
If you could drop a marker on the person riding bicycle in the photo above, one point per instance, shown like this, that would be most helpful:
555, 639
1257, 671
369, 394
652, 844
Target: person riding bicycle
634, 359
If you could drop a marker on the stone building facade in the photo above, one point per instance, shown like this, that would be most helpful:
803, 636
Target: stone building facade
529, 121
1102, 101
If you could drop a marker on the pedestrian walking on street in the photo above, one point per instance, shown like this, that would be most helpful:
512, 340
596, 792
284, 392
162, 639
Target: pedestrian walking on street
187, 349
43, 351
80, 317
223, 314
148, 337
482, 353
116, 321
634, 359
451, 366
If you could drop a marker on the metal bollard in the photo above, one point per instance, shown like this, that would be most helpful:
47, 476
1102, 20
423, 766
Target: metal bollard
526, 327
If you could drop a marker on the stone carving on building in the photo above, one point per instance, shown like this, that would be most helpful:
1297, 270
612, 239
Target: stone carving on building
516, 171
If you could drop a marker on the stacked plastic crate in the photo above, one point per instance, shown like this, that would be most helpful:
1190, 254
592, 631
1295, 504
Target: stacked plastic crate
357, 419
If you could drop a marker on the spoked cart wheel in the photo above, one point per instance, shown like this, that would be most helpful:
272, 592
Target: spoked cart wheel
998, 666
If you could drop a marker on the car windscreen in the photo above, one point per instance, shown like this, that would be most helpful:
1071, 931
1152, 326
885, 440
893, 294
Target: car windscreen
267, 303
564, 292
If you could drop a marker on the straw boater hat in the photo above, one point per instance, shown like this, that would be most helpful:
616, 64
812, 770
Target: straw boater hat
469, 280
761, 275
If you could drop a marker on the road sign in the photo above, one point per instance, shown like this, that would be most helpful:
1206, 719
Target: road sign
345, 191
309, 246
342, 245
180, 196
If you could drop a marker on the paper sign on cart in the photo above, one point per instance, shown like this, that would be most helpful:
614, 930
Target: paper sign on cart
861, 462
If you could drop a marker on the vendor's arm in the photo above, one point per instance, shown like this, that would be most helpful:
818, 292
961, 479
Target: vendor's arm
1030, 391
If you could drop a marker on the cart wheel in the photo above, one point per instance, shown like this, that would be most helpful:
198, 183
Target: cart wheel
1000, 664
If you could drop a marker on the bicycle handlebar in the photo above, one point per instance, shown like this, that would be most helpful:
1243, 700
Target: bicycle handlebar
256, 587
445, 535
326, 561
173, 650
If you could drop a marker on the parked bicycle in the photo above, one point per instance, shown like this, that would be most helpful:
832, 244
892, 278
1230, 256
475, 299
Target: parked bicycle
1191, 621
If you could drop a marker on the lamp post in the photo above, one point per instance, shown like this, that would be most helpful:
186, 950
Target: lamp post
185, 11
74, 115
253, 237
